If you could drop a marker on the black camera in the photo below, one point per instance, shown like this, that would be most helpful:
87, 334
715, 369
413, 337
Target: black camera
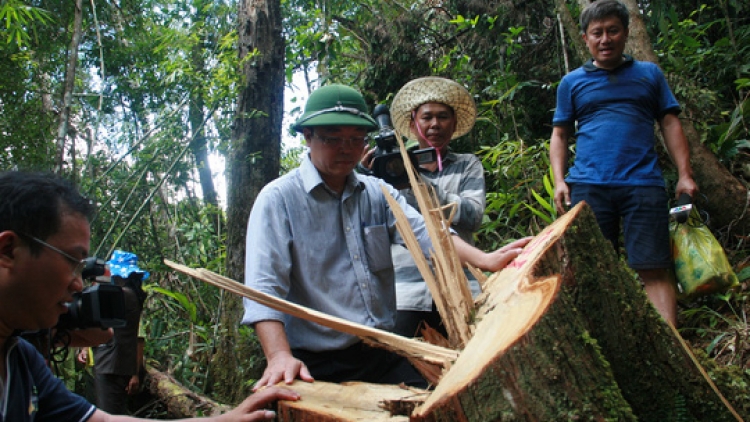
388, 163
100, 305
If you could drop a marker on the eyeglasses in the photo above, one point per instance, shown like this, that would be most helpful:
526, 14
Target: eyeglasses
80, 264
336, 142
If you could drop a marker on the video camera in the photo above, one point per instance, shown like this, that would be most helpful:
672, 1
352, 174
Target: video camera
100, 305
388, 163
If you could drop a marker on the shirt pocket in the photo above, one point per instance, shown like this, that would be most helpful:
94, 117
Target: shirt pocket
378, 248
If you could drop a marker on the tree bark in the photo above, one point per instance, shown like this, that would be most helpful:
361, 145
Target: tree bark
199, 145
69, 86
179, 401
253, 162
598, 349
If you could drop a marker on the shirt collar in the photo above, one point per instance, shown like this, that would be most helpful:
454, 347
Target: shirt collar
590, 67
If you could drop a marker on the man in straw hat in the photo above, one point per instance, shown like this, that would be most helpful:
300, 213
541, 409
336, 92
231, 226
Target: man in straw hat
44, 238
320, 236
434, 111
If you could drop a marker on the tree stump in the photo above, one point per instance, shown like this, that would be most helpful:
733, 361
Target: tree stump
567, 333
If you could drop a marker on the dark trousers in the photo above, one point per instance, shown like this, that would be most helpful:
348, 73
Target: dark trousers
408, 323
360, 362
111, 394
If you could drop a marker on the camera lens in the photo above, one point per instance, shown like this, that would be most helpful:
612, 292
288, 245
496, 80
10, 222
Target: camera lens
395, 167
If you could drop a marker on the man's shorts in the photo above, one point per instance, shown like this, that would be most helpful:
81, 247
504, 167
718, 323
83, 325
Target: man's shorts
644, 212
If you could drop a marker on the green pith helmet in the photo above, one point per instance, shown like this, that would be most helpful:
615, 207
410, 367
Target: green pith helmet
335, 105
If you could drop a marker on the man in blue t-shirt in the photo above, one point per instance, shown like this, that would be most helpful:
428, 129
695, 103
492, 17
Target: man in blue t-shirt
613, 102
44, 238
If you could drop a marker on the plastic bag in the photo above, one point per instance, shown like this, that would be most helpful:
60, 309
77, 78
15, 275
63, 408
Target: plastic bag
700, 264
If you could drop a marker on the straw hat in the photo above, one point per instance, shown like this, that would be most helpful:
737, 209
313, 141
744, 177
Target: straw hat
433, 89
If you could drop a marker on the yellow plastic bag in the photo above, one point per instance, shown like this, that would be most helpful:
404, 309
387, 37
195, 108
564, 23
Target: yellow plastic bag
701, 267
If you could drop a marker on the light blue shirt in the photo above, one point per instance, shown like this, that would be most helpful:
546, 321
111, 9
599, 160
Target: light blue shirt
328, 252
461, 182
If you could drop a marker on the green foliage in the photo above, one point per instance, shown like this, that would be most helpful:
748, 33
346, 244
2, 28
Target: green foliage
516, 172
18, 22
704, 55
545, 206
719, 323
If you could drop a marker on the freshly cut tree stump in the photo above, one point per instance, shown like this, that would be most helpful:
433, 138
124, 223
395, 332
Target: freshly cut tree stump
567, 333
352, 401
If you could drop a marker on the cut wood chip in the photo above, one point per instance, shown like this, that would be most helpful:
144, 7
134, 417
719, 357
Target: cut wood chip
411, 348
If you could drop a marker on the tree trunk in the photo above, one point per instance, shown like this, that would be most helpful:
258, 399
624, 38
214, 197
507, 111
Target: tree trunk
179, 401
577, 340
254, 161
69, 86
564, 333
199, 145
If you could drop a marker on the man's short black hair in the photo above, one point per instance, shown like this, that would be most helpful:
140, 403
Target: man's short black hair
602, 9
33, 203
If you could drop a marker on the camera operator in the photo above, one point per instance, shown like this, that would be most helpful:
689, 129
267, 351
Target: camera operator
80, 327
118, 363
44, 238
434, 111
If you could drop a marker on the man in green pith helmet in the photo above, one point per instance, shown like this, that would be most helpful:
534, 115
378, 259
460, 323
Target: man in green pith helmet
320, 236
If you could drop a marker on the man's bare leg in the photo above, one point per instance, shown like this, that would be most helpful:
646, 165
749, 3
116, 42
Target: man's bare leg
660, 289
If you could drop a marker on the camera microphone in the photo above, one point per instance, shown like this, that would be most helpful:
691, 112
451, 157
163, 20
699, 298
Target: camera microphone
382, 115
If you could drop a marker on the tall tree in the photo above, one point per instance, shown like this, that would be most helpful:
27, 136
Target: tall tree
253, 162
70, 79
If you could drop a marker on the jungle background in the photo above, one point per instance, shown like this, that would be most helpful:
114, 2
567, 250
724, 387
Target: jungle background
131, 98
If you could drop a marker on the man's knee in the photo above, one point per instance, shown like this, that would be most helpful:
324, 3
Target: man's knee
655, 276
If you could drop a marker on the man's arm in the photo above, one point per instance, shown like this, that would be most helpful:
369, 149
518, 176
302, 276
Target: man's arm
488, 261
281, 365
558, 158
679, 150
135, 380
90, 337
252, 409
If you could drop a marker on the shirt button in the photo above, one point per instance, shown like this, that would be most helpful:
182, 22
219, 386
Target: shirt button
364, 286
356, 257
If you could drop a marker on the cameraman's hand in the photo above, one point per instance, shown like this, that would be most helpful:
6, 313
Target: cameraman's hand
367, 156
254, 407
133, 385
83, 356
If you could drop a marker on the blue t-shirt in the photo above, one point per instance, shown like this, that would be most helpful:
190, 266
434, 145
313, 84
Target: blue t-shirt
33, 393
615, 111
